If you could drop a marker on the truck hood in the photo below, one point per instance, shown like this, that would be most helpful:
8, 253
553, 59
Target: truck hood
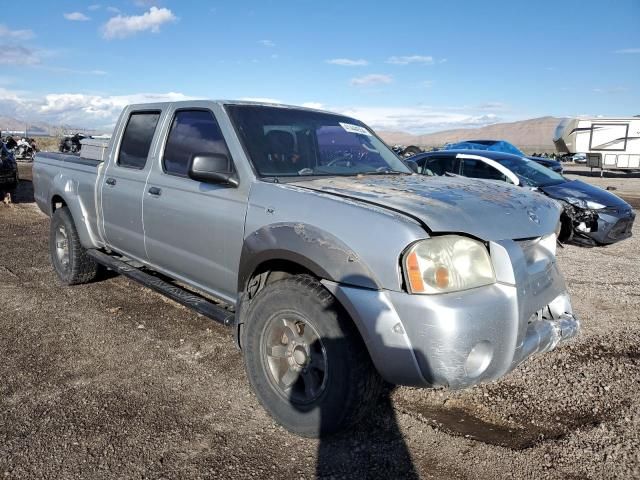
484, 209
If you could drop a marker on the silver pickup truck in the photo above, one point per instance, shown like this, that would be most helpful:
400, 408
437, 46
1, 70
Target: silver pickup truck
336, 266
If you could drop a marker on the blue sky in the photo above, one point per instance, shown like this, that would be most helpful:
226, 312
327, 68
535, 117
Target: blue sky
417, 66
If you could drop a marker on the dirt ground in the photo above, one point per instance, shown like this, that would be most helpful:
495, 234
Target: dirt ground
111, 380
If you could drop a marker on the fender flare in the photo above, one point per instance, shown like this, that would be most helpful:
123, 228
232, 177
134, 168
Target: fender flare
318, 251
67, 190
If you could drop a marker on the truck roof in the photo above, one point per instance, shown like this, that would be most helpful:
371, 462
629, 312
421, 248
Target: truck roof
203, 101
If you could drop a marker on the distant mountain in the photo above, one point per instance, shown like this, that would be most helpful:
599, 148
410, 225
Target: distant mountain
14, 124
11, 124
531, 135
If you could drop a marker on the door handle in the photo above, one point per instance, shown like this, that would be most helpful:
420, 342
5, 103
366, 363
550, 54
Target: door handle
110, 181
155, 191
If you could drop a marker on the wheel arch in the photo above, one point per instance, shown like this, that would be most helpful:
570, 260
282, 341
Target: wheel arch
77, 211
278, 251
57, 202
302, 246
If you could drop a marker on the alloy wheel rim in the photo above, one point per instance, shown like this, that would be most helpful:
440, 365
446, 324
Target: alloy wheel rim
296, 358
62, 247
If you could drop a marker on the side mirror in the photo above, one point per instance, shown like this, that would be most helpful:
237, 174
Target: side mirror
212, 168
412, 165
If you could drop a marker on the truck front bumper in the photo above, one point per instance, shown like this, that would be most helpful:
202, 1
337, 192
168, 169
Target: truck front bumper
461, 339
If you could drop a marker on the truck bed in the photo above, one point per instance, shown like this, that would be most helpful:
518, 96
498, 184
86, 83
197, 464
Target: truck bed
68, 176
68, 158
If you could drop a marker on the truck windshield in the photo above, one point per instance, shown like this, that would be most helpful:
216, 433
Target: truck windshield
286, 142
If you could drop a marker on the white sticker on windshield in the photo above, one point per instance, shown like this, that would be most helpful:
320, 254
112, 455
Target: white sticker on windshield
355, 129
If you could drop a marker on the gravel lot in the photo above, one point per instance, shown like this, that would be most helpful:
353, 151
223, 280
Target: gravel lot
112, 380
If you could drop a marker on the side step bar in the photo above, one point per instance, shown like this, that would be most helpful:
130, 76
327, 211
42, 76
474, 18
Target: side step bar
181, 295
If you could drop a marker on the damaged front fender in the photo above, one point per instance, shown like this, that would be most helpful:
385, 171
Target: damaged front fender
316, 250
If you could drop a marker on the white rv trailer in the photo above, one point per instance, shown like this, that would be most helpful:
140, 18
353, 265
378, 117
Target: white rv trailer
610, 143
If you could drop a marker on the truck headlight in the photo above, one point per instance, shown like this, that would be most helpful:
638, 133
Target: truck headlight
447, 264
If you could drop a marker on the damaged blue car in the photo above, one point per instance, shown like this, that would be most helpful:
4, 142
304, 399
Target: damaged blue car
591, 216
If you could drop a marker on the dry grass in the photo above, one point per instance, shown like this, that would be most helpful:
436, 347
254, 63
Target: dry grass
48, 144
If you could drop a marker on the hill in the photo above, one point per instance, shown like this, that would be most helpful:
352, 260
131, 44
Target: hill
35, 128
531, 135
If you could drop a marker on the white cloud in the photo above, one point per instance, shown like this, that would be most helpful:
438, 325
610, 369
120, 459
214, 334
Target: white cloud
618, 89
17, 55
101, 111
113, 9
73, 71
77, 109
124, 26
95, 110
406, 60
491, 106
261, 100
6, 32
94, 7
628, 50
417, 119
372, 79
76, 17
145, 3
267, 43
316, 105
347, 62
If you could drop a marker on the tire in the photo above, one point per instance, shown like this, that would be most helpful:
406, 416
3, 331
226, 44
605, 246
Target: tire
565, 232
9, 188
68, 257
13, 186
337, 384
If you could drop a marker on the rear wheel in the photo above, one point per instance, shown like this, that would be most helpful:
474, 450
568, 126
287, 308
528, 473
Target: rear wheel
68, 257
305, 360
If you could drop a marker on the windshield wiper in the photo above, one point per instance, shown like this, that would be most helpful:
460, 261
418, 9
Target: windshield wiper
383, 172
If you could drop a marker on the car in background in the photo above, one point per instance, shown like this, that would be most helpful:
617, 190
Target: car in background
8, 171
579, 158
505, 147
591, 216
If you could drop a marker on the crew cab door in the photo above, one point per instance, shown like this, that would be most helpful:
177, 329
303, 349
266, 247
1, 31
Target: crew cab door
194, 230
123, 184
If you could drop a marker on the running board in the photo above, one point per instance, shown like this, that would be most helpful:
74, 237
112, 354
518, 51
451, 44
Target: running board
181, 295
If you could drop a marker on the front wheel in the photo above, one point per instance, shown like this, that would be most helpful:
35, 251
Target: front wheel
68, 257
305, 359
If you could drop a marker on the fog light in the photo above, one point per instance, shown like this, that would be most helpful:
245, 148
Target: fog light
478, 359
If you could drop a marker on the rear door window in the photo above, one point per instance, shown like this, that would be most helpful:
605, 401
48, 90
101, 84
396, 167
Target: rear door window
137, 138
440, 165
478, 169
192, 132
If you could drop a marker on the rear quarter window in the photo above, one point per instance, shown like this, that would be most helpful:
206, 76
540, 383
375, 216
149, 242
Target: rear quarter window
137, 138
